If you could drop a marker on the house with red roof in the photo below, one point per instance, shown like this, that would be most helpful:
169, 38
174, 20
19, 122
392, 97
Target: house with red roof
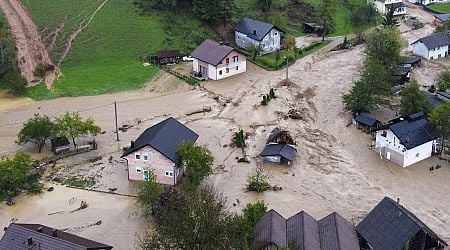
215, 61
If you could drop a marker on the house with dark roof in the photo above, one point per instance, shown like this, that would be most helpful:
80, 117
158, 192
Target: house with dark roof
440, 19
390, 226
407, 140
167, 57
280, 148
301, 231
215, 61
39, 237
384, 6
155, 152
249, 32
366, 122
432, 47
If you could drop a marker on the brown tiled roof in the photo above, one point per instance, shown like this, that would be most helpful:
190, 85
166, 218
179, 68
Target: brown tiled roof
211, 52
16, 238
168, 53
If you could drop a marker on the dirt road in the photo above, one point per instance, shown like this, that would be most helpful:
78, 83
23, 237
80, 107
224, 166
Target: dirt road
30, 48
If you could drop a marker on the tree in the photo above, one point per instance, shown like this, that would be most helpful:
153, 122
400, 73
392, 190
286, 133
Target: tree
362, 15
440, 118
257, 181
148, 194
194, 219
371, 90
444, 28
213, 11
14, 174
384, 46
444, 81
252, 214
254, 50
289, 42
389, 20
265, 5
15, 83
71, 125
278, 20
413, 100
325, 16
37, 130
198, 160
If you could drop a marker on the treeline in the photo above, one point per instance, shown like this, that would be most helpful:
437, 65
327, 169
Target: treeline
10, 78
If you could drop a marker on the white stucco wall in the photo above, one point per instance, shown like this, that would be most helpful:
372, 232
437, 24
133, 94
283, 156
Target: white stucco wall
438, 52
242, 67
195, 67
419, 49
418, 153
270, 43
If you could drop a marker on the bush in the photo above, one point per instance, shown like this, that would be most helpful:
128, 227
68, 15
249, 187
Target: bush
15, 83
257, 181
239, 139
39, 70
14, 175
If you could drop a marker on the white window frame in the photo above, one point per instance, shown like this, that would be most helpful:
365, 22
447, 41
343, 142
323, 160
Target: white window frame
137, 156
139, 170
220, 72
145, 155
168, 173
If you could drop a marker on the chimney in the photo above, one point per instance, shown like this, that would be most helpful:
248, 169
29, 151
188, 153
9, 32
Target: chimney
30, 241
254, 32
55, 233
132, 144
398, 200
40, 229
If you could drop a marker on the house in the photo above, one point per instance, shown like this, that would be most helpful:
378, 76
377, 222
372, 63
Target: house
280, 148
383, 6
167, 57
155, 152
427, 2
35, 236
412, 61
407, 140
440, 19
365, 122
391, 226
432, 47
249, 32
302, 231
215, 61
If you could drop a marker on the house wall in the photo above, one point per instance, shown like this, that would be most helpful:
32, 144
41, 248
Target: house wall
156, 162
418, 153
419, 49
270, 43
196, 66
438, 52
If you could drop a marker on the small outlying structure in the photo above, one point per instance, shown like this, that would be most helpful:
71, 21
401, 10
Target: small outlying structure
433, 46
440, 19
302, 231
391, 226
313, 28
407, 140
412, 61
36, 236
365, 122
167, 57
280, 148
400, 74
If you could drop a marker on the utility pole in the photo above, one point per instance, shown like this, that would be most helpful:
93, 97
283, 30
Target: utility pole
287, 67
117, 126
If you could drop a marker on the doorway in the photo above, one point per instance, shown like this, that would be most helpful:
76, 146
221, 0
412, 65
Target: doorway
146, 175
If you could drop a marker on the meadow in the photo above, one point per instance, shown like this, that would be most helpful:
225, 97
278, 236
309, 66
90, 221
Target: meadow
440, 7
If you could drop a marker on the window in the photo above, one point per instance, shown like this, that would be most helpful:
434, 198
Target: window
417, 155
228, 60
384, 134
237, 67
275, 34
239, 37
145, 156
168, 173
220, 72
431, 58
138, 169
439, 56
227, 70
235, 59
137, 156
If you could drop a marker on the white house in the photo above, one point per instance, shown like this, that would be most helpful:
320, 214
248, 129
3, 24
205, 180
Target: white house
249, 32
383, 6
427, 2
216, 61
407, 140
432, 47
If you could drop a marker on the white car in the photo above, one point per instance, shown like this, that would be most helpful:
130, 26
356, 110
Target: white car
188, 59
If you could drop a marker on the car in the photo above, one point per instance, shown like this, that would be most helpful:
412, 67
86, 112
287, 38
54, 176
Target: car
188, 59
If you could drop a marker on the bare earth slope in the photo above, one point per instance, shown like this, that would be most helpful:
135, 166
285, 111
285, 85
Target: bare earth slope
30, 48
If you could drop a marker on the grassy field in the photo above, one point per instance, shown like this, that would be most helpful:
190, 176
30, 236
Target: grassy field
105, 56
440, 7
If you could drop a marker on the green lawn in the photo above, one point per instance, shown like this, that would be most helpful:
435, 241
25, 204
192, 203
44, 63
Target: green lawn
105, 56
440, 7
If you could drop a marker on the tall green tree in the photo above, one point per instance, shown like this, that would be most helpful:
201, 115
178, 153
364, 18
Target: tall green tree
14, 174
384, 46
413, 100
265, 5
71, 125
37, 130
214, 11
389, 20
198, 160
148, 194
252, 213
372, 90
440, 118
325, 16
194, 219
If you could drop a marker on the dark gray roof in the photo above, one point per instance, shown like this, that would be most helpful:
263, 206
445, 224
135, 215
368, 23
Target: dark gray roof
443, 17
395, 5
337, 233
432, 99
303, 232
390, 226
271, 229
165, 138
435, 40
414, 131
411, 60
211, 52
366, 120
248, 26
282, 150
444, 94
16, 238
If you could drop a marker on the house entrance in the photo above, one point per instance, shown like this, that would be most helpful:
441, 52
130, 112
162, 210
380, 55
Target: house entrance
146, 175
204, 71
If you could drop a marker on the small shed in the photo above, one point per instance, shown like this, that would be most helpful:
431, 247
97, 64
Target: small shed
444, 96
313, 28
400, 74
412, 61
278, 153
366, 122
167, 57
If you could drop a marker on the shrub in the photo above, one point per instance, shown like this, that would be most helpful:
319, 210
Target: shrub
257, 181
15, 82
39, 70
239, 139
